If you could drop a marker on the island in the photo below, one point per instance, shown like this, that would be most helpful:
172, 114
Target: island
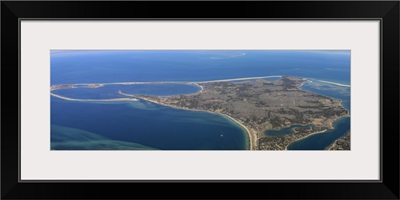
259, 105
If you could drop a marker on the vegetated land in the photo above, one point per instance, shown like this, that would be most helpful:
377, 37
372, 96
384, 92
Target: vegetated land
262, 105
342, 143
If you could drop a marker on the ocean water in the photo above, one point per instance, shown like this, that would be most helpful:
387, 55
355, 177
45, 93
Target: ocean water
153, 65
144, 125
284, 131
149, 124
322, 140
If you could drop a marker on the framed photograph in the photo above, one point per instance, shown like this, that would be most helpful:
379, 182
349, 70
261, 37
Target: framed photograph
265, 96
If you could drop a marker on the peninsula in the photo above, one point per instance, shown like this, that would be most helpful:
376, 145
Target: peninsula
342, 143
255, 103
259, 105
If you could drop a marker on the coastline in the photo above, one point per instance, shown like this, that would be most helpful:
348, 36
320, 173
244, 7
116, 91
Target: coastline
176, 82
251, 145
92, 100
252, 138
200, 86
333, 83
334, 143
318, 132
340, 100
331, 145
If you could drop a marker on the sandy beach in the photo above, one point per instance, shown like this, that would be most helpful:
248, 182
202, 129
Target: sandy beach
252, 138
201, 88
331, 146
245, 128
93, 100
333, 83
251, 145
179, 82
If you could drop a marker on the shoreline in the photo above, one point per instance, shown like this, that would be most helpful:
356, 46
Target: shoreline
333, 83
175, 82
315, 133
93, 100
197, 82
252, 138
333, 144
329, 148
251, 145
200, 86
318, 132
340, 100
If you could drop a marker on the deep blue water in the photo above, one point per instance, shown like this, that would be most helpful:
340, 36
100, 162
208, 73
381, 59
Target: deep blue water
144, 125
125, 66
150, 125
341, 126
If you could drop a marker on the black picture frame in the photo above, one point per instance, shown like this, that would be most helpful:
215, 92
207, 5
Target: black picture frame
386, 11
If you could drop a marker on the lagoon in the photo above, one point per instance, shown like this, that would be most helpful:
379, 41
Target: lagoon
322, 140
285, 131
145, 125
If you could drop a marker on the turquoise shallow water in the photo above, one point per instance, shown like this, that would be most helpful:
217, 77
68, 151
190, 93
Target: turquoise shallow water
143, 125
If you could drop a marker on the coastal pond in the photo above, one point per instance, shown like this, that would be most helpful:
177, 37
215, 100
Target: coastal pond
322, 140
285, 131
154, 126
